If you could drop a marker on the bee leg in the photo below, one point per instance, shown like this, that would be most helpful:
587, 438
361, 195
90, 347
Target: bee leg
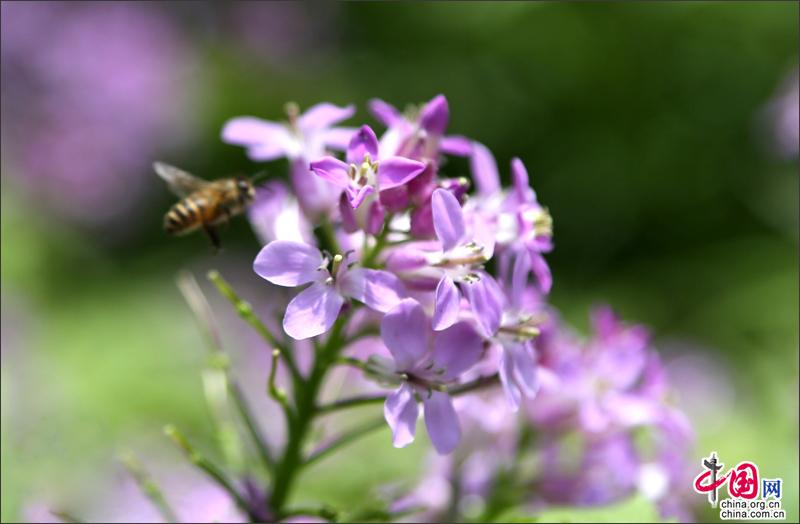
211, 232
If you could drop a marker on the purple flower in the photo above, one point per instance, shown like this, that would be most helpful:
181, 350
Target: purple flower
427, 362
304, 137
365, 173
603, 472
421, 134
518, 220
518, 328
460, 260
275, 214
314, 310
613, 381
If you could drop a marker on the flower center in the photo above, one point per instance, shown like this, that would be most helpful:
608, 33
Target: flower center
539, 221
364, 174
469, 254
525, 327
335, 262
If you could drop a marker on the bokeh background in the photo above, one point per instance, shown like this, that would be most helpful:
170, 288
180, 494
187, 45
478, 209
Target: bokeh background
662, 136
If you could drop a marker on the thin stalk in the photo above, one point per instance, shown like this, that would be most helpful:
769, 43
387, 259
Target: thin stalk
375, 398
202, 310
327, 237
323, 513
243, 308
345, 439
278, 394
305, 411
65, 516
380, 242
352, 362
148, 486
252, 426
206, 466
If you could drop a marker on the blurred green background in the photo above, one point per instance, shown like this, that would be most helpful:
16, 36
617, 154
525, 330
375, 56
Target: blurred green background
655, 133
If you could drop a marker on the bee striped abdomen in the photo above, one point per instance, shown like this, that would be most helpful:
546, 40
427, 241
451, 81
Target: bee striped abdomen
183, 217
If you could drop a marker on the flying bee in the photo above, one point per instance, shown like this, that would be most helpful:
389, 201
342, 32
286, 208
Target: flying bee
204, 204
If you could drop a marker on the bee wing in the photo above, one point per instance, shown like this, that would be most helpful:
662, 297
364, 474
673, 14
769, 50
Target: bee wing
179, 181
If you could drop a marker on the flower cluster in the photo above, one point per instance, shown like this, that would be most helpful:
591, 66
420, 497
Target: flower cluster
419, 249
437, 293
602, 427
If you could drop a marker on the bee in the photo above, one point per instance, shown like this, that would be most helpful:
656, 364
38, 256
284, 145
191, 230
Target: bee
204, 204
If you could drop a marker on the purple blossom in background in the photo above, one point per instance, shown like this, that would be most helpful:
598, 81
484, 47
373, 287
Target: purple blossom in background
85, 107
783, 114
426, 362
314, 310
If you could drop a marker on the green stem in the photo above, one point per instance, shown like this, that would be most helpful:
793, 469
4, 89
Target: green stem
346, 439
327, 237
305, 411
202, 311
376, 398
208, 467
148, 486
370, 258
252, 426
351, 361
323, 513
65, 516
278, 394
245, 311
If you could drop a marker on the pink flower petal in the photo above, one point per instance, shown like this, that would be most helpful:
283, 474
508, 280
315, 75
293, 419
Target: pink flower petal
331, 169
401, 411
396, 171
484, 170
337, 137
288, 263
404, 331
362, 143
324, 115
442, 422
486, 299
312, 312
379, 290
447, 305
456, 145
435, 115
265, 140
457, 349
385, 113
448, 219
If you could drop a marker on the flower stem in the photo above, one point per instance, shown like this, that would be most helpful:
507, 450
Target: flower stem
245, 311
327, 237
345, 439
208, 467
371, 257
278, 394
202, 311
351, 361
148, 486
375, 398
305, 411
